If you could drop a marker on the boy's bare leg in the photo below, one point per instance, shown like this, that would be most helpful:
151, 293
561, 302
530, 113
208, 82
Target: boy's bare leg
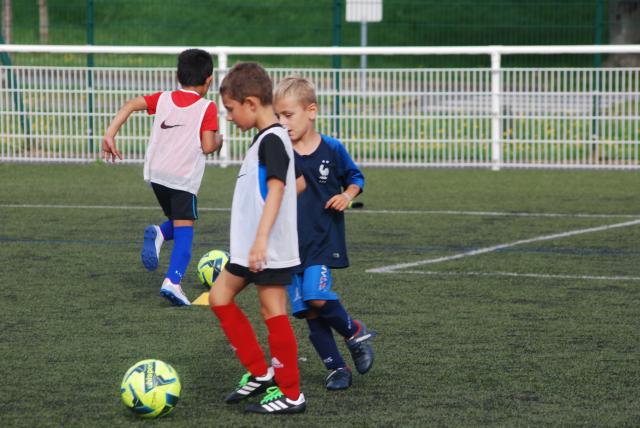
226, 289
273, 300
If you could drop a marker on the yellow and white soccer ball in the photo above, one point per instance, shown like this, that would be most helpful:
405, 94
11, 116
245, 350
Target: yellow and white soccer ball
210, 266
150, 388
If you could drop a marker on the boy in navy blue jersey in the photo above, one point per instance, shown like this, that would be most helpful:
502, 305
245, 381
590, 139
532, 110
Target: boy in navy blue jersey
333, 180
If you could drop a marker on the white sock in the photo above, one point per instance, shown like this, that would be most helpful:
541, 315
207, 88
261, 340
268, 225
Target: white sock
267, 376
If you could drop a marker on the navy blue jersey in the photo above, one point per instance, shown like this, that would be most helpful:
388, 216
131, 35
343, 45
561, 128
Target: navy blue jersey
327, 171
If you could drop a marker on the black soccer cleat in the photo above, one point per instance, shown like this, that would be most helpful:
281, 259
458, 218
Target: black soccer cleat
360, 348
338, 379
276, 403
250, 386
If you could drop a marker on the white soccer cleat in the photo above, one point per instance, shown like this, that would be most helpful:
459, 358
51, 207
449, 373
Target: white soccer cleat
173, 293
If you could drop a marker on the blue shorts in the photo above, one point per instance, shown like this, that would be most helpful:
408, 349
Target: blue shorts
313, 284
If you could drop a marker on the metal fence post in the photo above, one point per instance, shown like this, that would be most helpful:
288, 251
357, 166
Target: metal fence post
90, 64
337, 64
222, 113
496, 120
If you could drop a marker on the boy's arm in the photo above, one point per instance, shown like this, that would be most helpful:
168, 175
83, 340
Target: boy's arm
211, 142
341, 202
301, 184
109, 148
352, 181
258, 251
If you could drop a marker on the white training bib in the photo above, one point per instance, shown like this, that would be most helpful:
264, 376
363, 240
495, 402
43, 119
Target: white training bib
174, 157
248, 205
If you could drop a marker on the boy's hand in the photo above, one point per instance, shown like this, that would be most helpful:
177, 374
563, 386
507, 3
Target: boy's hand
338, 202
109, 149
218, 139
258, 255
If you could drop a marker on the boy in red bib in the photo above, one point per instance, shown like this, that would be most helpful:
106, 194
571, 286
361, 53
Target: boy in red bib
184, 132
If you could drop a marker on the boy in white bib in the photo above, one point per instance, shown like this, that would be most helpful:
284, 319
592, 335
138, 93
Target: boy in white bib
184, 132
264, 247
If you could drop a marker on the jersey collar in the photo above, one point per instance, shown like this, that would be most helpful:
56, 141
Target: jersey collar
189, 92
262, 131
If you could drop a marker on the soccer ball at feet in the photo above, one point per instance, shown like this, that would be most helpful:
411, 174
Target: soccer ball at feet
150, 388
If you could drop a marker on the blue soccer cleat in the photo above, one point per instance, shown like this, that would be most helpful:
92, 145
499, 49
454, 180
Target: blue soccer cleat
360, 348
151, 245
338, 379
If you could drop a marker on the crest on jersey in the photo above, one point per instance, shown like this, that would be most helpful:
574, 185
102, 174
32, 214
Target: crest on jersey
324, 171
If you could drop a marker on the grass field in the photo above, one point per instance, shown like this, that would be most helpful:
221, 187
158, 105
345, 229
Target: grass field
519, 304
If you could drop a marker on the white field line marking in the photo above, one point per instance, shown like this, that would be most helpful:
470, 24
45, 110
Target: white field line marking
520, 275
494, 213
99, 207
491, 249
409, 212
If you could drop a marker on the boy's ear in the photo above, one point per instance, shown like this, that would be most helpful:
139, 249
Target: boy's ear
312, 109
208, 80
252, 102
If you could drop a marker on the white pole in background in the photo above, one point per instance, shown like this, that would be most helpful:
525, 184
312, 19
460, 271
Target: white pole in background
363, 11
496, 120
222, 113
363, 58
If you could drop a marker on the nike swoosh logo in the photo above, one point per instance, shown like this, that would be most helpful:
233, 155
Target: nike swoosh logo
242, 175
163, 125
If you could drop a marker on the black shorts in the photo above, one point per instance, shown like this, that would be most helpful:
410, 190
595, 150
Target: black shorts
264, 277
176, 204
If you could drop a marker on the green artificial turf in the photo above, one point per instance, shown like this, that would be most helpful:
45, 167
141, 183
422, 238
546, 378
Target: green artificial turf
538, 334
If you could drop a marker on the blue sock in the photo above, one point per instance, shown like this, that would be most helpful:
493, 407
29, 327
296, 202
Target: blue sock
167, 230
322, 339
338, 318
181, 254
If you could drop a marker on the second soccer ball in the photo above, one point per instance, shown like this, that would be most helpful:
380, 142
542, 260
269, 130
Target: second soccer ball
210, 266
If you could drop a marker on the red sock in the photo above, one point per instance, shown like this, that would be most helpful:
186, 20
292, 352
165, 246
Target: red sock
237, 328
284, 355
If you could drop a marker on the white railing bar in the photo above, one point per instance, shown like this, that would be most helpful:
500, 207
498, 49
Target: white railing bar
331, 50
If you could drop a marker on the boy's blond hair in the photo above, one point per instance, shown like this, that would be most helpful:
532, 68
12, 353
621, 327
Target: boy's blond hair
298, 87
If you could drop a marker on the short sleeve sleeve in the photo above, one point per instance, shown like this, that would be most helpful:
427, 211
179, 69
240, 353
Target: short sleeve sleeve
152, 102
351, 174
210, 119
273, 155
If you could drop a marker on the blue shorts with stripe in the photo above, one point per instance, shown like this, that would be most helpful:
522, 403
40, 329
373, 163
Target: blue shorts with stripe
176, 204
313, 284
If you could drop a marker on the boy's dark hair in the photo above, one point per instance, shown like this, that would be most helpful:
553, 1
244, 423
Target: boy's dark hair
194, 67
247, 79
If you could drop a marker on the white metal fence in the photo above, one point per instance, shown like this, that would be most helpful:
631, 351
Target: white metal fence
487, 117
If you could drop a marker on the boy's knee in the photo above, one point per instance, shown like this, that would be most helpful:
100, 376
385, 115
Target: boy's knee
316, 304
219, 298
268, 312
213, 301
